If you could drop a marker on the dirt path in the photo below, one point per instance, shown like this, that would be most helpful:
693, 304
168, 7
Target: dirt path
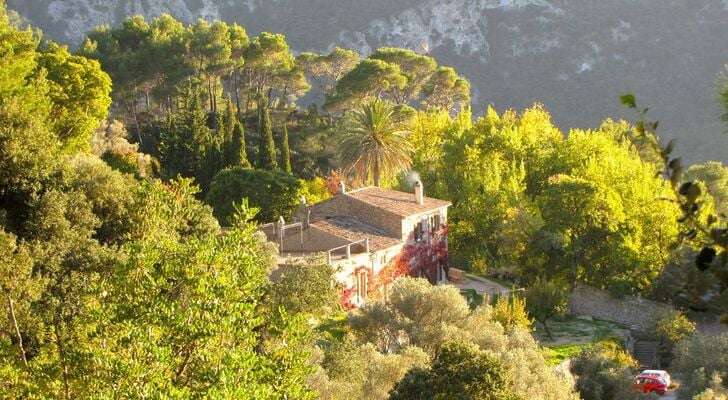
669, 396
481, 285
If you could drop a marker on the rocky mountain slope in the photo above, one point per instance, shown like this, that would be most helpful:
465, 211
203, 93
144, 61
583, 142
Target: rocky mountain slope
575, 57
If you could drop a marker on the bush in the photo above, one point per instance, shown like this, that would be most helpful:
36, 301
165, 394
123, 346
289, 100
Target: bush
360, 372
702, 359
315, 190
275, 193
459, 371
672, 326
716, 391
306, 287
511, 312
427, 316
604, 371
545, 300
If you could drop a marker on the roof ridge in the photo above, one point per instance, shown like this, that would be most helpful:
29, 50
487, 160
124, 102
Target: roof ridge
393, 190
362, 189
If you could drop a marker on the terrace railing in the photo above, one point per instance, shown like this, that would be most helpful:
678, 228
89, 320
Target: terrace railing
345, 251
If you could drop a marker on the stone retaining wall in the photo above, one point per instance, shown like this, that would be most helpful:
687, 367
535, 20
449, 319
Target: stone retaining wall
630, 311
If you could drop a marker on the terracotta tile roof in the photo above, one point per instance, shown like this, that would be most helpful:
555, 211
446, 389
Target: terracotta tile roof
354, 230
400, 203
344, 216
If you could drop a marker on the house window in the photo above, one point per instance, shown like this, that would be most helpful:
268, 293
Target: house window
384, 259
361, 285
419, 232
435, 223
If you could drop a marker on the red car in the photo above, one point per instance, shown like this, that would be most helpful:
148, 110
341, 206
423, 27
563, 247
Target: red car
649, 383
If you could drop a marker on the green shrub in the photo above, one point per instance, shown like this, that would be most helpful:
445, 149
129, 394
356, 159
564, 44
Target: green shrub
604, 371
275, 193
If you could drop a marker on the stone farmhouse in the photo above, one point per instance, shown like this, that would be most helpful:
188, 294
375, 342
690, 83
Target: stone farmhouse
370, 236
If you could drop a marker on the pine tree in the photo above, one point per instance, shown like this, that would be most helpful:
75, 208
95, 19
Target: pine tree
239, 155
285, 150
266, 146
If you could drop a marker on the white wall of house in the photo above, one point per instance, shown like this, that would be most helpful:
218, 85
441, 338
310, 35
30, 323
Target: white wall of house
410, 223
374, 263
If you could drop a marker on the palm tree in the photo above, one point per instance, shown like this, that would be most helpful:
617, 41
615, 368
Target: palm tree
374, 141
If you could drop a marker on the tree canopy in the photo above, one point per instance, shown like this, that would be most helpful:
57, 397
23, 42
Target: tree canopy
116, 280
276, 193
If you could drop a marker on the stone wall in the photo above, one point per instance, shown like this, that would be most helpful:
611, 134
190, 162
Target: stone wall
630, 311
375, 216
346, 206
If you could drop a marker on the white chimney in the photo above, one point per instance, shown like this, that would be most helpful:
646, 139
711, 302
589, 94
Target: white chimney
419, 193
342, 187
279, 227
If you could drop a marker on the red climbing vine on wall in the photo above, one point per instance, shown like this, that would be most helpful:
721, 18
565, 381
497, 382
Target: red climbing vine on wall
423, 257
417, 258
347, 298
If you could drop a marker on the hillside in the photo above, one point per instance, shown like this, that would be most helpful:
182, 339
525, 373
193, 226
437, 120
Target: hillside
576, 59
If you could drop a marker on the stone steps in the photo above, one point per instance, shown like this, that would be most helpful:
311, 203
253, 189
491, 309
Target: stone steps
645, 352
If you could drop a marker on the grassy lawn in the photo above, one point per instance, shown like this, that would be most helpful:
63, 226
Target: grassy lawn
555, 355
571, 334
572, 330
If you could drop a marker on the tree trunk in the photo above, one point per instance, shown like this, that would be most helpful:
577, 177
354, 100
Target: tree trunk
209, 93
546, 328
21, 350
283, 98
247, 103
214, 94
572, 273
377, 178
237, 93
136, 120
185, 362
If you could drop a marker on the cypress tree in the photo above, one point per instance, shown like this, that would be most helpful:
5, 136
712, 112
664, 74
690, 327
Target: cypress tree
184, 139
238, 152
285, 150
212, 162
266, 146
229, 122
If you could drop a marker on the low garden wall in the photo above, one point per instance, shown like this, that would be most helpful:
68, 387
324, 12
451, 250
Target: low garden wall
630, 311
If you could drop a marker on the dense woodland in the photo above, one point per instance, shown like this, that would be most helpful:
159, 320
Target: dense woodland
121, 161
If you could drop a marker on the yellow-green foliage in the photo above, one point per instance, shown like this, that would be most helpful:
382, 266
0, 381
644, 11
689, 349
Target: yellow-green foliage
673, 326
314, 190
511, 312
528, 200
426, 317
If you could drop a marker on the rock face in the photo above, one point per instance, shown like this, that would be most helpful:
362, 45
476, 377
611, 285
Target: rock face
575, 57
